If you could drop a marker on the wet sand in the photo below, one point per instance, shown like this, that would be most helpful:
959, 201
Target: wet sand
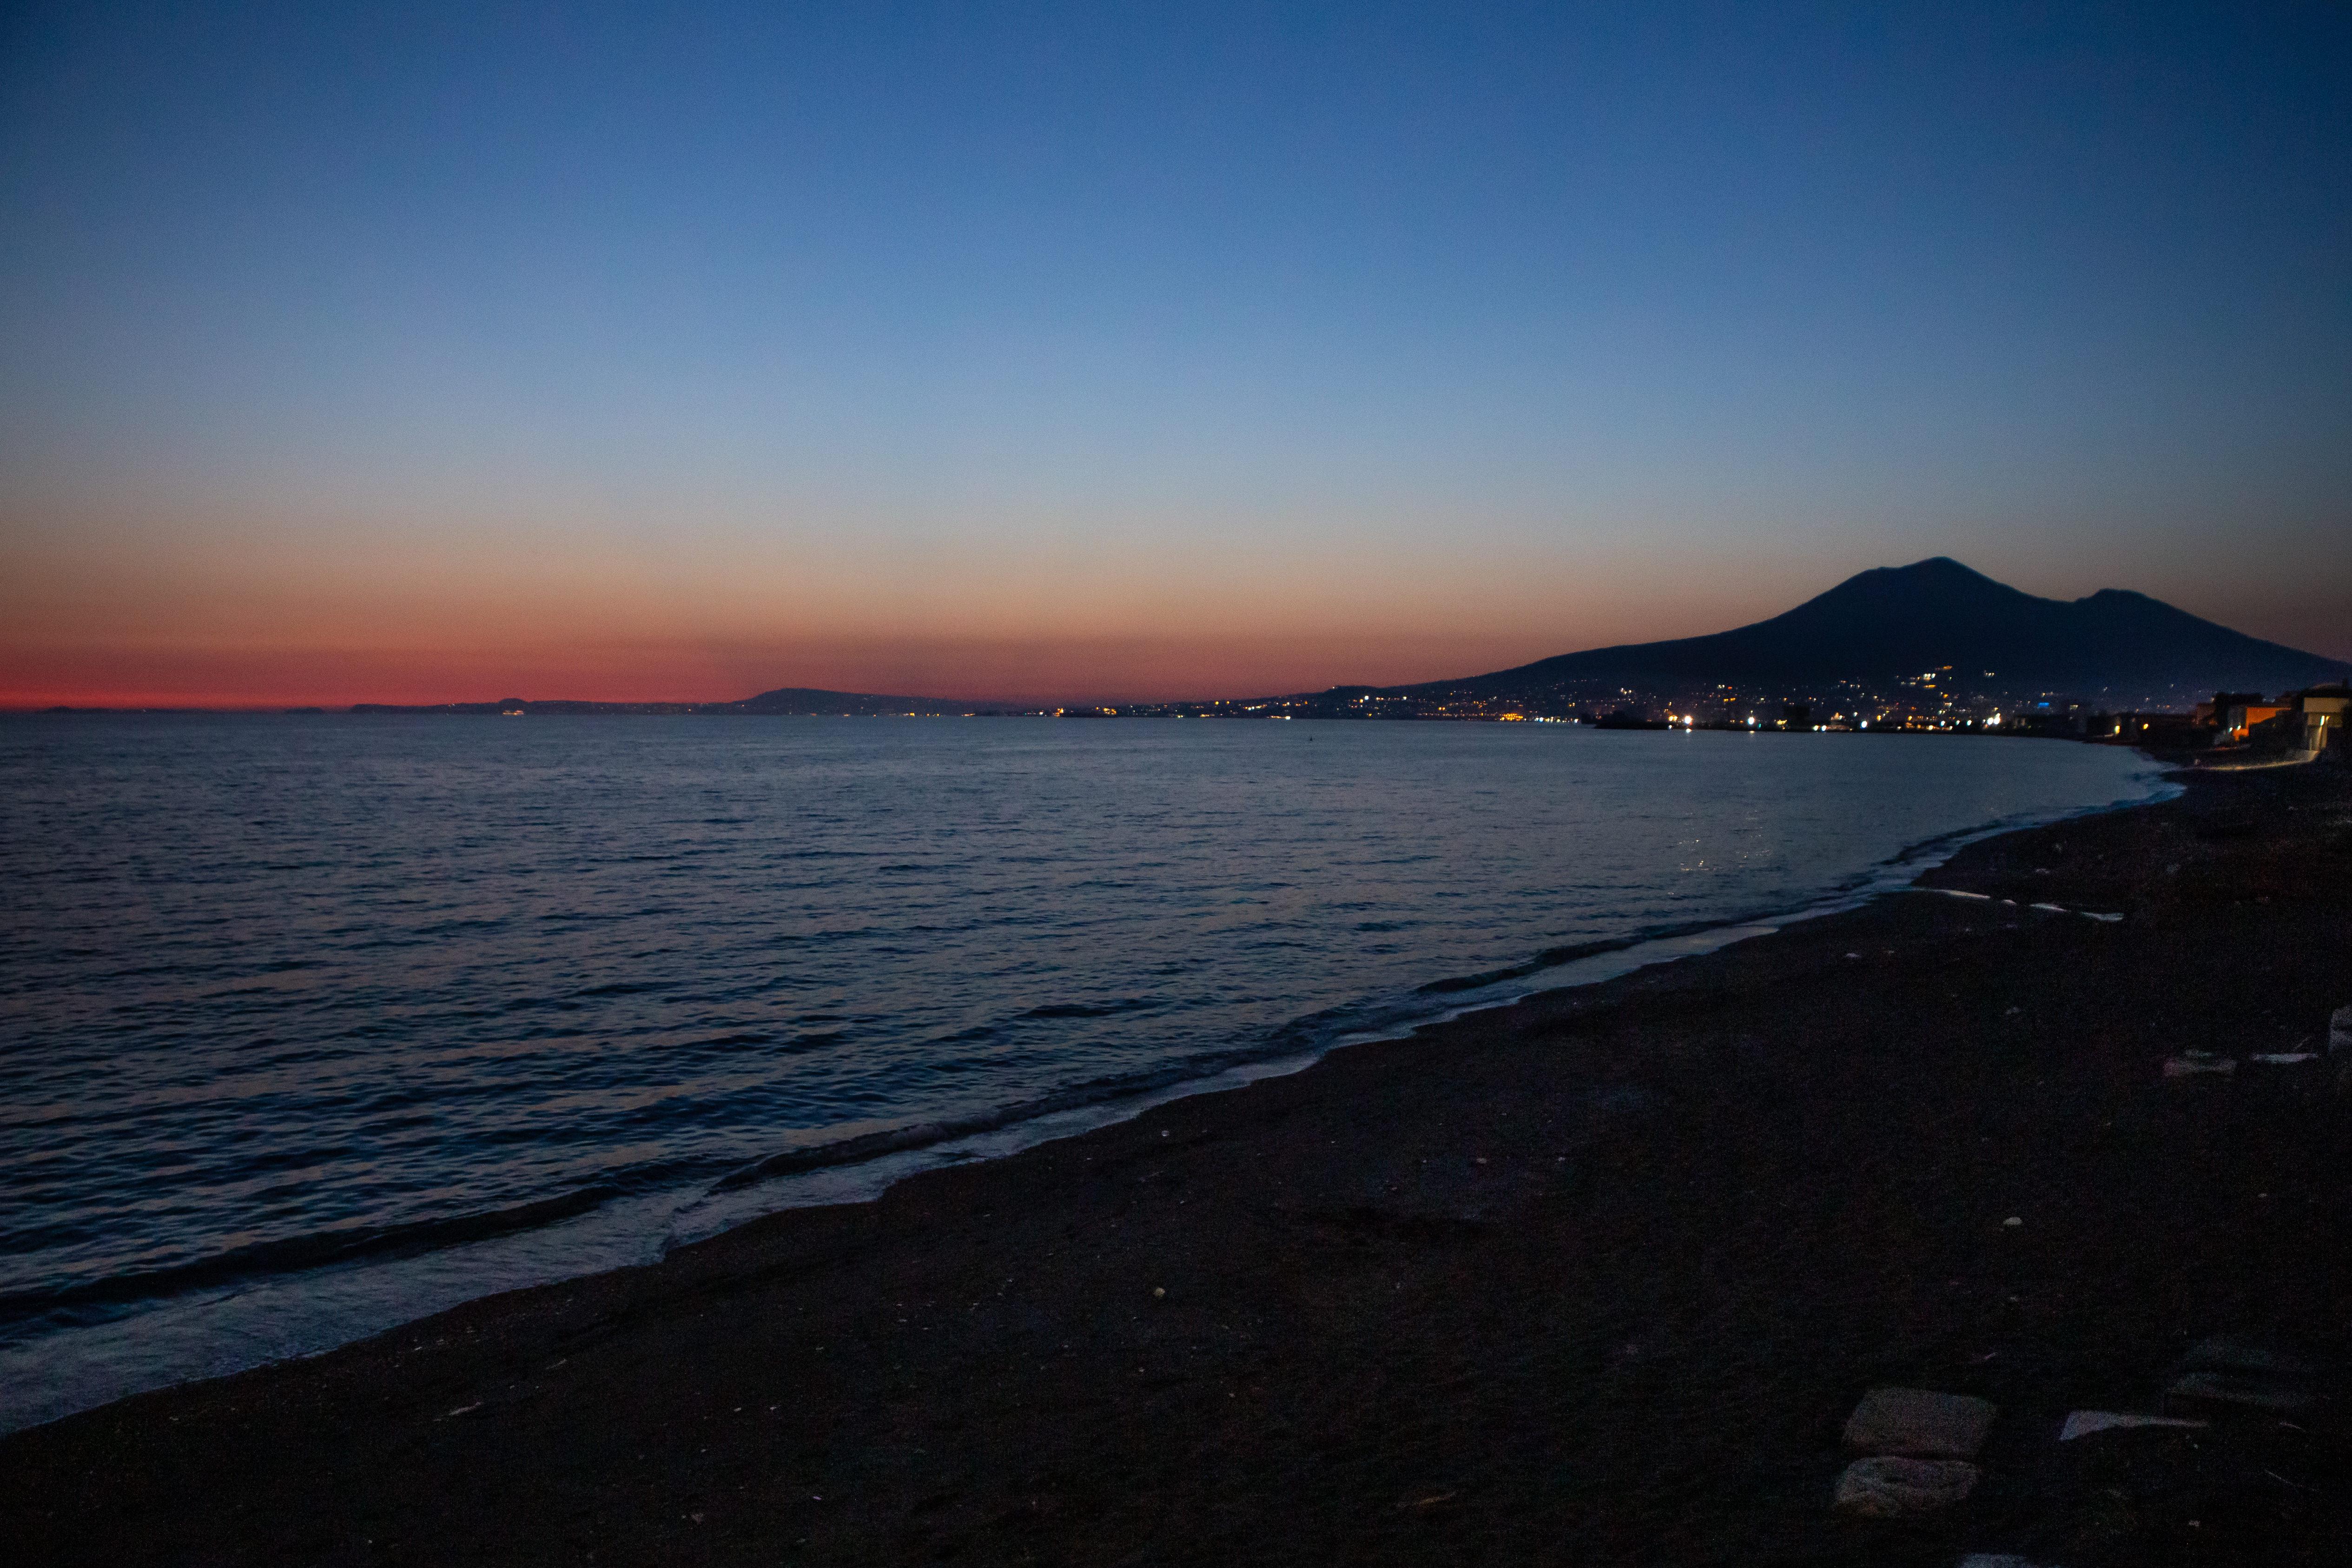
1592, 1280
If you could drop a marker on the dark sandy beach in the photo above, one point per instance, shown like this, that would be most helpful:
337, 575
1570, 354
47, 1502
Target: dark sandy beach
1593, 1280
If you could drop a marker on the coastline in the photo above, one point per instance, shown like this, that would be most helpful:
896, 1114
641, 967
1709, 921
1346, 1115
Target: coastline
1630, 1298
230, 1319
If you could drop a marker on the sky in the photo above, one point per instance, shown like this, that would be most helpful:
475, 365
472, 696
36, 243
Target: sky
445, 353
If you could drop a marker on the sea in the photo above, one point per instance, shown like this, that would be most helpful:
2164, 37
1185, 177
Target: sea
312, 1025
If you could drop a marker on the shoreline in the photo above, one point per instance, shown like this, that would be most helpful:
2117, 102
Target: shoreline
539, 1425
860, 1169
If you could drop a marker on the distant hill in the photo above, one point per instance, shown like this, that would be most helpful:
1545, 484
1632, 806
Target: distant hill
787, 700
808, 699
1878, 628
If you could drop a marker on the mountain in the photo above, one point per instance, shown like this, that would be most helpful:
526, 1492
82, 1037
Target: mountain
1878, 628
808, 699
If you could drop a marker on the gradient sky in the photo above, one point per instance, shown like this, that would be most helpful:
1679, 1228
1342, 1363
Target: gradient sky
1106, 351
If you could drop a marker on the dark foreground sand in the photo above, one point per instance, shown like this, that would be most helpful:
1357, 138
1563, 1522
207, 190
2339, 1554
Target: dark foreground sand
1592, 1280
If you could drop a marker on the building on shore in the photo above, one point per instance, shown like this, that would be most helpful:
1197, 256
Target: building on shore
2320, 712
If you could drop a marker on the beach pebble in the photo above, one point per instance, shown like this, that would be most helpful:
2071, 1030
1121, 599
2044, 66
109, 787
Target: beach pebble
2083, 1423
1919, 1424
1890, 1488
2197, 1064
2012, 1222
2229, 1371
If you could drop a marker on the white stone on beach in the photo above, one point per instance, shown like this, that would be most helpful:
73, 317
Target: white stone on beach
1891, 1487
2083, 1423
1918, 1424
2197, 1063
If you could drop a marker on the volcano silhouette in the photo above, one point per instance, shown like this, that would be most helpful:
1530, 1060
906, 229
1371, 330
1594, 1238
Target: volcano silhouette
1881, 625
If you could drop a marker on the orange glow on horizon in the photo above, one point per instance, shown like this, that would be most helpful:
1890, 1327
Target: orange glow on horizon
208, 613
254, 616
996, 673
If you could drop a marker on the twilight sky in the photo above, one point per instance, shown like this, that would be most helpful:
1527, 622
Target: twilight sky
1068, 351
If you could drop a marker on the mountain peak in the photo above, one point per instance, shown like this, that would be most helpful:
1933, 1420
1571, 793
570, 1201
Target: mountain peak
1935, 575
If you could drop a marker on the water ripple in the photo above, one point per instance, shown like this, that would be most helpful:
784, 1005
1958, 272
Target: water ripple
288, 994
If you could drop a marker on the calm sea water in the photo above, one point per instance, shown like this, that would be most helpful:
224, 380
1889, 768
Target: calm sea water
310, 1025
